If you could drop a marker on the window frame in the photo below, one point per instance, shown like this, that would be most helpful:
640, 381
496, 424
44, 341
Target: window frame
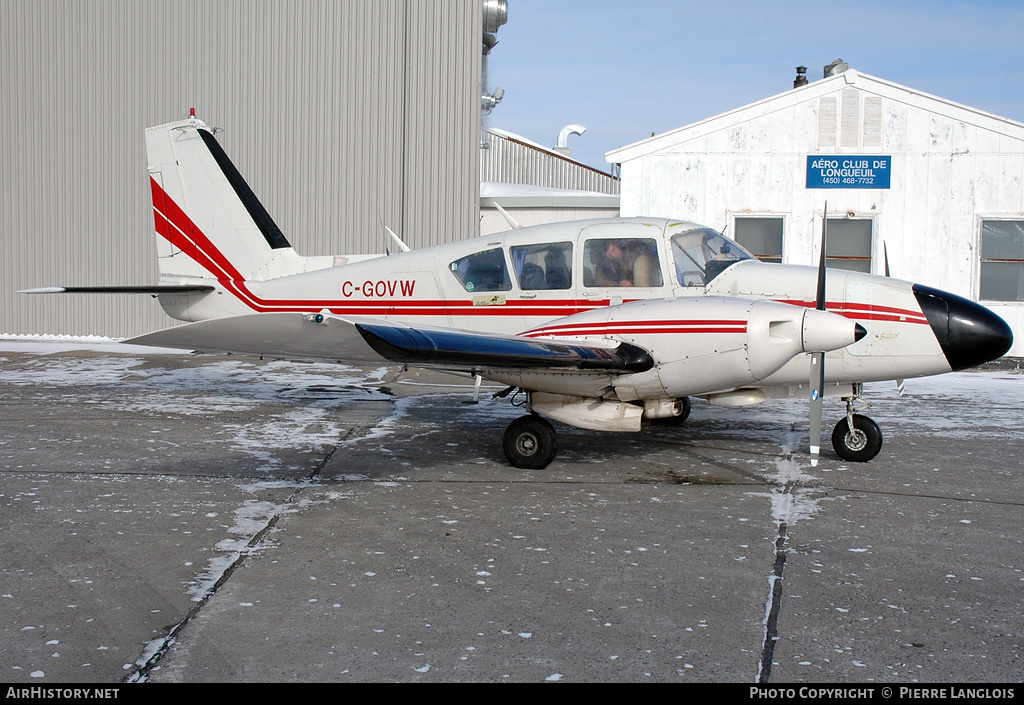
980, 260
746, 215
872, 238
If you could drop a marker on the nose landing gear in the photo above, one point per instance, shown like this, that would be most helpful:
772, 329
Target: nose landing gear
856, 438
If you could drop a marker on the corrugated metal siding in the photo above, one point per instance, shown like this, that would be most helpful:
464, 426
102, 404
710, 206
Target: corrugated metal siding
340, 115
443, 72
513, 161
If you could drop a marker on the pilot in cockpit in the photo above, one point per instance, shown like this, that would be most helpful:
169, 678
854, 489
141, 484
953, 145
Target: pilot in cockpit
627, 263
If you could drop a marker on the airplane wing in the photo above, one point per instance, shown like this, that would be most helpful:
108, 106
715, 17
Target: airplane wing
364, 340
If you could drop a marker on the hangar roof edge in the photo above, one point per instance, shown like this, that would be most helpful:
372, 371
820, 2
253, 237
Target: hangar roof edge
816, 89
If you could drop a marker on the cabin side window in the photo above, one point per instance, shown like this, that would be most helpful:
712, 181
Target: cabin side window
544, 266
622, 262
482, 271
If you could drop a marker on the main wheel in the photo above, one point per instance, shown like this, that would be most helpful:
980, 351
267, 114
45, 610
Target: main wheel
530, 442
859, 445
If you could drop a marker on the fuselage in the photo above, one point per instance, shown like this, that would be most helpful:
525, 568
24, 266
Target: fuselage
528, 281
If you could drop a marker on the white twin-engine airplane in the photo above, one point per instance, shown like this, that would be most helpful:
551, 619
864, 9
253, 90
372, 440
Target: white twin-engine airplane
604, 324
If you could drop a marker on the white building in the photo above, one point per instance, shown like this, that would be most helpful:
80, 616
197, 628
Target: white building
930, 188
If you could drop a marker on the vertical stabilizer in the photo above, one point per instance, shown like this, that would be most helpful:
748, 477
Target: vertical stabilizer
209, 223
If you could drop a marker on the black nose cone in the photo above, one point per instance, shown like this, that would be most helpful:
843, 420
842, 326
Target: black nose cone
968, 333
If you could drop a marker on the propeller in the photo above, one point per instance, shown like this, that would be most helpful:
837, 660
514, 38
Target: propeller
885, 251
817, 381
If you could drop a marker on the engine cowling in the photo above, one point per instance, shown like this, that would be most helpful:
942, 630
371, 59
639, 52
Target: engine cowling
701, 345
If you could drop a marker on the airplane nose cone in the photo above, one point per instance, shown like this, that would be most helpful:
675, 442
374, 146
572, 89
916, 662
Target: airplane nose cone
968, 333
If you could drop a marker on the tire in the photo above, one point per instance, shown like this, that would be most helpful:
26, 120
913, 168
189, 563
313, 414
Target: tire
530, 443
860, 446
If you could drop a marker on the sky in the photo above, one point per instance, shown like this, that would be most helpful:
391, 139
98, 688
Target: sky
626, 70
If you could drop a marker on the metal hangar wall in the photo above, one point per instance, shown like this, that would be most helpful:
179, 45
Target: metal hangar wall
341, 115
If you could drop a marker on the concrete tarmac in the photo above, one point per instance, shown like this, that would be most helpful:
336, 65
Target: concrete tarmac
178, 518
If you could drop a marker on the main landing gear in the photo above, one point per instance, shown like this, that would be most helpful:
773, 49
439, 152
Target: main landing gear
530, 442
856, 438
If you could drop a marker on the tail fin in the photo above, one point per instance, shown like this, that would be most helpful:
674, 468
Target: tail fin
209, 223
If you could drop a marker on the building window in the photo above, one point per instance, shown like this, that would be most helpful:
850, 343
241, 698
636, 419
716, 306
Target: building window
1002, 260
849, 244
762, 237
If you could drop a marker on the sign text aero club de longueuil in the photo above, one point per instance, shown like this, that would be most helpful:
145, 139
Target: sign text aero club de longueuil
848, 171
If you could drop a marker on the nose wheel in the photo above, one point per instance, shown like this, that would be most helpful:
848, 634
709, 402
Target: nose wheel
857, 438
530, 442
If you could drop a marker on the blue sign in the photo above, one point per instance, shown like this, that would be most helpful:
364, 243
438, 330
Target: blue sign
848, 171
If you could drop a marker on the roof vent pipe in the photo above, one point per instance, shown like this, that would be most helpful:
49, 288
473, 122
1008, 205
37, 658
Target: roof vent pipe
801, 77
495, 14
836, 67
562, 146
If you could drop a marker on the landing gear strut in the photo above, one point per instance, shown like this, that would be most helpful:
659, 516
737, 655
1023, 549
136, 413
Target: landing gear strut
856, 438
530, 442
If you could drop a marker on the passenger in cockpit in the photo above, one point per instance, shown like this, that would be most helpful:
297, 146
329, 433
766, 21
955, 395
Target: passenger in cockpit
627, 263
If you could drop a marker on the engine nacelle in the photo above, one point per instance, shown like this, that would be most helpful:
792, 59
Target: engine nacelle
704, 345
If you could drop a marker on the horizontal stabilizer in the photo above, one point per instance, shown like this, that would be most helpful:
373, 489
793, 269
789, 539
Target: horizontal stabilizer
294, 336
152, 290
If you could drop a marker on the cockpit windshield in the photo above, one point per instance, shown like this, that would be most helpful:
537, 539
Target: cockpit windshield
701, 254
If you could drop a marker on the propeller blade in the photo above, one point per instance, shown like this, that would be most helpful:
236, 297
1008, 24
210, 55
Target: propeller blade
819, 299
817, 382
817, 377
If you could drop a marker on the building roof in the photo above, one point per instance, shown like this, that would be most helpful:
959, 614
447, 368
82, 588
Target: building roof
811, 91
510, 158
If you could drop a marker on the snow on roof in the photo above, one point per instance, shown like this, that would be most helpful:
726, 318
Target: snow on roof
498, 189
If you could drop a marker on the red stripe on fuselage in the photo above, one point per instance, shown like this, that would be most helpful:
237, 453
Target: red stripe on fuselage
864, 312
675, 326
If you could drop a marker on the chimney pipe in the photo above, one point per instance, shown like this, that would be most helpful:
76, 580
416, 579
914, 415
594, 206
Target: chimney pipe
801, 77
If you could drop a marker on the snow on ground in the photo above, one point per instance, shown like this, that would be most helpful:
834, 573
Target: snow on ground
49, 344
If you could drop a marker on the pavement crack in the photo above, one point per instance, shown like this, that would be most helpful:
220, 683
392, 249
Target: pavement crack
774, 602
155, 649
